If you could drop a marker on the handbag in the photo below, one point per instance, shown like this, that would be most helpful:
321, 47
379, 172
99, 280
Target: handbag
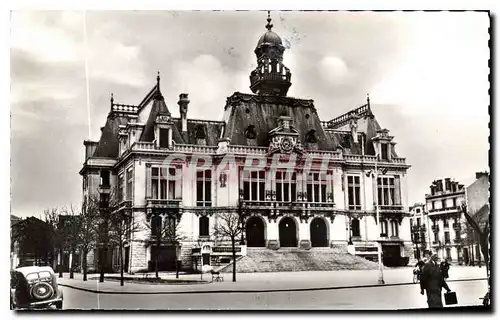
450, 298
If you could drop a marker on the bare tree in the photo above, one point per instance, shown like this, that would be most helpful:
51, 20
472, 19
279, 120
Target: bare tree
70, 221
88, 227
122, 227
230, 227
164, 232
482, 229
52, 217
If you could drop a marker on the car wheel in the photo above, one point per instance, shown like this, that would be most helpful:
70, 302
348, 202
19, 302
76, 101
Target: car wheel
59, 305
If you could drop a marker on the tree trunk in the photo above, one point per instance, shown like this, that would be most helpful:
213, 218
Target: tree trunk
234, 258
121, 264
60, 262
157, 256
102, 259
71, 271
84, 264
176, 264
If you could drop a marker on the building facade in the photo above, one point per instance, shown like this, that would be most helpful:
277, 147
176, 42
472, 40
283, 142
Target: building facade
300, 181
419, 224
445, 218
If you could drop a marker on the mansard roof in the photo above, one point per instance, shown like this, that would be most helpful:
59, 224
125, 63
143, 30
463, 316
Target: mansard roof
108, 145
197, 129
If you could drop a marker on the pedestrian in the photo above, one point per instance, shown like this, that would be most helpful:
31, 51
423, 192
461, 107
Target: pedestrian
432, 281
445, 267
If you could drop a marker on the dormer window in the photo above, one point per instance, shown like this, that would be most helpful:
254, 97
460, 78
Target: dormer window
250, 132
311, 137
200, 133
385, 151
164, 138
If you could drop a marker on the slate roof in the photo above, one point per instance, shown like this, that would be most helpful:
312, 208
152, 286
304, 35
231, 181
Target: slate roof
108, 145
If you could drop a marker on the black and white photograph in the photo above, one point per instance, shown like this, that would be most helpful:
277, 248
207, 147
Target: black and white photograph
249, 160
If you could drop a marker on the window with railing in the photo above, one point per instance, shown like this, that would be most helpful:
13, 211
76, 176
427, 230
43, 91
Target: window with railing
353, 192
316, 187
204, 188
286, 186
130, 183
163, 183
254, 185
388, 192
394, 228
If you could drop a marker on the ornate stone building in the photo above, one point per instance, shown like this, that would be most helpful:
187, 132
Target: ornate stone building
419, 223
301, 182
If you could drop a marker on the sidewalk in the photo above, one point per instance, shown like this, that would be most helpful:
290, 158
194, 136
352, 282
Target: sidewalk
261, 282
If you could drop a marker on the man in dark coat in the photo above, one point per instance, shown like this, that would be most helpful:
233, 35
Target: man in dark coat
445, 267
432, 281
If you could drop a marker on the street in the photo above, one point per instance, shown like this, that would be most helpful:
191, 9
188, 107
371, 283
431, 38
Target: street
384, 297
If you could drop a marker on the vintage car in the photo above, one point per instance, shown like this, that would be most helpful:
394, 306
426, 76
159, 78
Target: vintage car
34, 287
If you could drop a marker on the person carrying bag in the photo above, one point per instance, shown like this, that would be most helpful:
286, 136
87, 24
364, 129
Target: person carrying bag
432, 281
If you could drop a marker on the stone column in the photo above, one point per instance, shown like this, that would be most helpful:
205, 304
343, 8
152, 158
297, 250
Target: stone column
304, 234
272, 234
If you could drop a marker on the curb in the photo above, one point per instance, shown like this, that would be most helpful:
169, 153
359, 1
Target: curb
255, 291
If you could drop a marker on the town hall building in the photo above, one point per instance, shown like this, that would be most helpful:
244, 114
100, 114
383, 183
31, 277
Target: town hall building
300, 181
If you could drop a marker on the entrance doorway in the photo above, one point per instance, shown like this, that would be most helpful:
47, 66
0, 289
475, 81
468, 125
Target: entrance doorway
318, 233
288, 232
166, 258
255, 232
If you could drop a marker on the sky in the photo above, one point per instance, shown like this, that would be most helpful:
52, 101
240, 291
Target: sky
426, 74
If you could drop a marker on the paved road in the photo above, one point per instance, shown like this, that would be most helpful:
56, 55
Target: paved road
385, 297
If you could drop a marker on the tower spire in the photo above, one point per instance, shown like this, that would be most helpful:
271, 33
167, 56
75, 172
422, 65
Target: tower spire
269, 25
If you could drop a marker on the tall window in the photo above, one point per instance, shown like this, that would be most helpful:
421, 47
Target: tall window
387, 191
355, 227
204, 188
353, 191
448, 253
286, 186
204, 226
447, 237
121, 187
394, 228
130, 181
433, 206
163, 138
254, 185
443, 203
105, 178
383, 228
418, 221
316, 187
446, 223
156, 224
163, 183
454, 202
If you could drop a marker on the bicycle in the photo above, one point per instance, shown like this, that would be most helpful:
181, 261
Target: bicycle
416, 276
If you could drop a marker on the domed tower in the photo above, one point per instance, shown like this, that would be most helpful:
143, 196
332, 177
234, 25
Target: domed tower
271, 77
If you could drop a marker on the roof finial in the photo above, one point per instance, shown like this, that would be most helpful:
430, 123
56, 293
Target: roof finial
368, 99
112, 99
269, 25
158, 78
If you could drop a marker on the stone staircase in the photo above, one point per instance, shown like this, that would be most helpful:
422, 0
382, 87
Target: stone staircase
296, 259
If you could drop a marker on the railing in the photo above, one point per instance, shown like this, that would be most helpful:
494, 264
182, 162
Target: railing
143, 146
225, 249
347, 116
287, 204
457, 240
398, 160
246, 150
163, 202
125, 108
189, 148
391, 208
445, 209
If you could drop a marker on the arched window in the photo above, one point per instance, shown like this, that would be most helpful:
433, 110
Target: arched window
250, 132
394, 228
311, 136
204, 226
200, 132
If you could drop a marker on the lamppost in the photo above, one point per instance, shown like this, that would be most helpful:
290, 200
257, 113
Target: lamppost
379, 242
178, 247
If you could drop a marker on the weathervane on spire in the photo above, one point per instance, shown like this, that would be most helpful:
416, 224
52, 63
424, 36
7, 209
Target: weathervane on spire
158, 78
368, 99
112, 99
269, 25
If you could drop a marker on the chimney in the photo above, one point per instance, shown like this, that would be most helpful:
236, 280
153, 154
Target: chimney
481, 174
90, 147
353, 125
183, 108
